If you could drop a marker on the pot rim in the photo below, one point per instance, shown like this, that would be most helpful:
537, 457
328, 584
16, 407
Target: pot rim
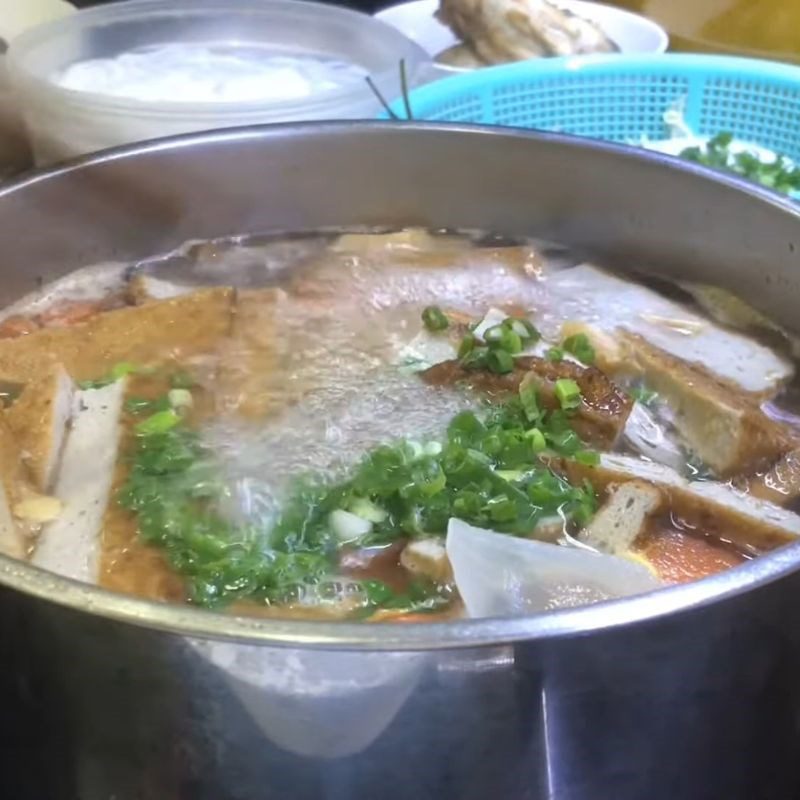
184, 620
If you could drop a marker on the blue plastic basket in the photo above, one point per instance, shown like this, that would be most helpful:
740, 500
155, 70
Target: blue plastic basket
623, 98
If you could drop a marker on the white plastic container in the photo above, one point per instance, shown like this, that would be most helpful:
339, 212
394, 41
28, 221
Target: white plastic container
63, 122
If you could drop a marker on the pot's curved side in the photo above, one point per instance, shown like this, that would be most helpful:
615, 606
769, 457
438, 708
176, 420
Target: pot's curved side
704, 707
695, 703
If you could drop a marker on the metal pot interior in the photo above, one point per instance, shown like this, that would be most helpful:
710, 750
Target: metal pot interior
621, 206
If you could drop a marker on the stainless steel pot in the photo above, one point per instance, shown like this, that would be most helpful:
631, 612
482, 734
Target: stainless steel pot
691, 693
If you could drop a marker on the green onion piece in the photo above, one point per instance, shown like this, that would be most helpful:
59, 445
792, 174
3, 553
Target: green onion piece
363, 507
568, 394
477, 358
523, 328
160, 422
528, 397
500, 362
510, 475
493, 335
537, 440
554, 354
95, 384
643, 395
502, 337
122, 369
467, 345
501, 508
589, 457
141, 405
580, 347
565, 442
434, 319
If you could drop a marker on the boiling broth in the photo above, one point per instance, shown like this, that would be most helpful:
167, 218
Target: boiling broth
285, 362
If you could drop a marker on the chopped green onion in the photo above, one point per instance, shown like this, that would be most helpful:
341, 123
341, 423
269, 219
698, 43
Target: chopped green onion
523, 328
568, 394
779, 174
467, 345
537, 440
95, 384
503, 338
476, 358
141, 405
160, 422
500, 362
434, 319
529, 399
643, 395
554, 354
501, 509
580, 347
589, 457
122, 369
510, 475
366, 509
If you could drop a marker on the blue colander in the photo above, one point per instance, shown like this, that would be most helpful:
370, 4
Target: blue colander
624, 98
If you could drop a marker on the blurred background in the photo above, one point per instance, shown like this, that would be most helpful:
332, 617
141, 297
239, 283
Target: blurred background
755, 27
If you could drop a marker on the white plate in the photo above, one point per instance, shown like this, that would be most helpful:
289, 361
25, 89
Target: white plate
630, 32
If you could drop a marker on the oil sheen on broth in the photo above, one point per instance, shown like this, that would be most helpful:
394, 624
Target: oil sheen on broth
391, 427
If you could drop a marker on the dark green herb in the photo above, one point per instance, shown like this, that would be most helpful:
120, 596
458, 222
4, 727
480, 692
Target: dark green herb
120, 370
523, 328
580, 347
643, 395
141, 405
486, 471
780, 175
503, 337
435, 319
554, 354
500, 361
568, 394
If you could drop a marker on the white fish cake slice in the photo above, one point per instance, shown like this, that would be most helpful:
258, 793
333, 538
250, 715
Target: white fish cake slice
70, 545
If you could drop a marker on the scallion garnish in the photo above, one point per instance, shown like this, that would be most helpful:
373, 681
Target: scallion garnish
568, 394
554, 354
500, 362
580, 347
780, 174
467, 345
529, 399
643, 395
160, 422
537, 440
475, 358
435, 319
503, 337
524, 329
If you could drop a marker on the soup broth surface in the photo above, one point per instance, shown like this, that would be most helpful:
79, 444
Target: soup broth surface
392, 426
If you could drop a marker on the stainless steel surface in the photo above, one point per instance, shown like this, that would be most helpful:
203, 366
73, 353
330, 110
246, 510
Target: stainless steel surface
689, 693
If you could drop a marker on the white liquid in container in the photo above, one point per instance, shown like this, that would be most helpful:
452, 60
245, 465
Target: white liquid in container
197, 73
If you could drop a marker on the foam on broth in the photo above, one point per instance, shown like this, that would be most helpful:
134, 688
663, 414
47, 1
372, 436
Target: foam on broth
340, 317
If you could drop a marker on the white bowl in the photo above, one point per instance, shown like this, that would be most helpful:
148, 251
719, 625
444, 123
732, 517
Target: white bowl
630, 32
